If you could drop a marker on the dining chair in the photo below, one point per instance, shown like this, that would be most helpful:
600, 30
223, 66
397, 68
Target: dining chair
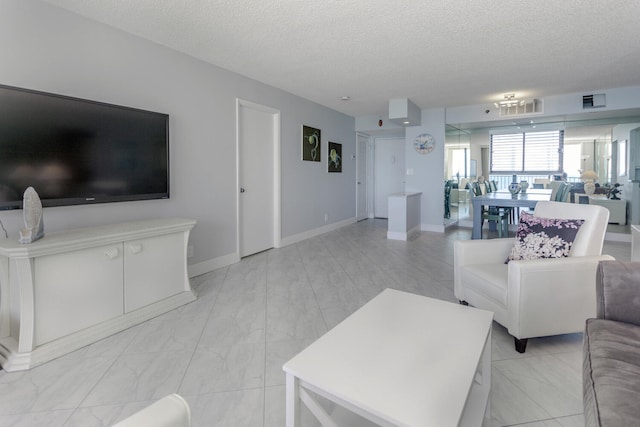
447, 198
563, 192
499, 215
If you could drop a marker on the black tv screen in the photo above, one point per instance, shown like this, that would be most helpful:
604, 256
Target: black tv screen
74, 151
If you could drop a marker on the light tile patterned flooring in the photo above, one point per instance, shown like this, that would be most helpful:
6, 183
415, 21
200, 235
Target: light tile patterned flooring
224, 352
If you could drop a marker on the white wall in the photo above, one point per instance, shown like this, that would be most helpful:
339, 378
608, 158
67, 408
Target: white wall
49, 49
428, 169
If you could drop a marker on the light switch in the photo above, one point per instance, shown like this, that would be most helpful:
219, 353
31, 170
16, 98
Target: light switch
409, 171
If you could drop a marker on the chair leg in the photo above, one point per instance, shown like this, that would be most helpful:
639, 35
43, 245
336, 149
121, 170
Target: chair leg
521, 345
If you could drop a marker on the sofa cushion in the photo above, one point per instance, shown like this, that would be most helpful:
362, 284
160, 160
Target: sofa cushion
543, 237
611, 373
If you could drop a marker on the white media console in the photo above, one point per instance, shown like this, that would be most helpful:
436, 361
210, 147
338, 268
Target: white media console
73, 288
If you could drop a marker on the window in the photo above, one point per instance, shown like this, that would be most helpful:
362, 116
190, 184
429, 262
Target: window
459, 162
572, 156
527, 152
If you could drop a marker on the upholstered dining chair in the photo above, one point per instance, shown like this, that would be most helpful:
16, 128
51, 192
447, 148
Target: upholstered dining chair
447, 198
535, 297
495, 214
563, 192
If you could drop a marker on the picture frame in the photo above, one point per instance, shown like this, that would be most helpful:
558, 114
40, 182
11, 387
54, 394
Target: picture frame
334, 158
311, 144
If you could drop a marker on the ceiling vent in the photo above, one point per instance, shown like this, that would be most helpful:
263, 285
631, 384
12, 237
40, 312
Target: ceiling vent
594, 101
403, 112
524, 107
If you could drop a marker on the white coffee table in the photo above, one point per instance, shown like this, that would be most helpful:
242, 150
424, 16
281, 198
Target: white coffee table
400, 360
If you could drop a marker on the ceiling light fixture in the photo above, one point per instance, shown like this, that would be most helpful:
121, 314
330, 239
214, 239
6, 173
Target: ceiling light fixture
509, 101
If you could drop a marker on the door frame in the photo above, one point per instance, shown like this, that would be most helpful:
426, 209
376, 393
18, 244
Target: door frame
277, 215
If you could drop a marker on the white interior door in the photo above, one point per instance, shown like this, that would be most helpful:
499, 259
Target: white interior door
362, 211
389, 173
257, 139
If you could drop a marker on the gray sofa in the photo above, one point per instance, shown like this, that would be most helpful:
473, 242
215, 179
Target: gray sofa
611, 356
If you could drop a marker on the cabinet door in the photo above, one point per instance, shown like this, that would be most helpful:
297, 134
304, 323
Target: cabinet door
154, 269
75, 290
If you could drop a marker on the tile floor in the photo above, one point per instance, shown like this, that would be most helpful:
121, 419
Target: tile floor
224, 352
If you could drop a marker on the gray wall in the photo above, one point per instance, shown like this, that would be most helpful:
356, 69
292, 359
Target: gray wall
49, 49
428, 169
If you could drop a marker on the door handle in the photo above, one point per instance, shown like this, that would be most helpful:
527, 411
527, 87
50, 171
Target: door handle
242, 190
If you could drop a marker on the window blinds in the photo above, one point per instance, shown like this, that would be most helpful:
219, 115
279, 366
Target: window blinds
527, 152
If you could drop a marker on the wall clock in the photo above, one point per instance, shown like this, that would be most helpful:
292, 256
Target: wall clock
424, 143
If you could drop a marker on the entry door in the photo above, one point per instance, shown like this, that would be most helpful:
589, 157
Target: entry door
389, 174
256, 145
361, 183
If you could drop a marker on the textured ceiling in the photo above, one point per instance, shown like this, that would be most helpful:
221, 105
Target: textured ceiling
437, 53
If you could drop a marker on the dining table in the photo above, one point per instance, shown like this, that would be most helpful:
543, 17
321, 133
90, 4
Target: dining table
503, 198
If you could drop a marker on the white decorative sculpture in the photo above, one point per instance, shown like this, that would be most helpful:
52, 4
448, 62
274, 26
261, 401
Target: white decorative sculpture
32, 213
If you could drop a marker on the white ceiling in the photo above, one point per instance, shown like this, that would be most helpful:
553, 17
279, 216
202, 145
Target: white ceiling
437, 53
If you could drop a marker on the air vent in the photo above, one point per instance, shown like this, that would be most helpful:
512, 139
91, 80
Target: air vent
594, 101
532, 106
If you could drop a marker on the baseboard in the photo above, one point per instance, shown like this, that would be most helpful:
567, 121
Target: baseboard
204, 267
434, 228
212, 264
408, 235
315, 232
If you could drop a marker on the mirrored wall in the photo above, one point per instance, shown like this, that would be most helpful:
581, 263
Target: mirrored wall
598, 142
459, 167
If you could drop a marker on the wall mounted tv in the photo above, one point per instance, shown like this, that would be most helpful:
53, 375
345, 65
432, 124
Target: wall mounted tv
75, 151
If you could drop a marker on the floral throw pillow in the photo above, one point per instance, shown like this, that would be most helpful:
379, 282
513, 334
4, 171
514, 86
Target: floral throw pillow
543, 237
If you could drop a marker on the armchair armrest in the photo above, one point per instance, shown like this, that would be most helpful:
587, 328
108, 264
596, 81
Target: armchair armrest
481, 251
551, 296
618, 291
170, 411
469, 252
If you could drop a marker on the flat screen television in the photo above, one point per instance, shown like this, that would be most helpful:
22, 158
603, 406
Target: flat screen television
74, 151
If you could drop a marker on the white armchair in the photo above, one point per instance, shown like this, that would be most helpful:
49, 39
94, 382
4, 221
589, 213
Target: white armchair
535, 298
